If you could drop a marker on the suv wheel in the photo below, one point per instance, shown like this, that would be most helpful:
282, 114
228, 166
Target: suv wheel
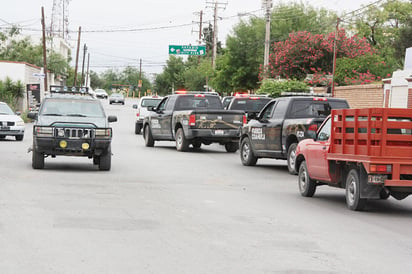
231, 147
292, 158
37, 160
137, 128
182, 144
246, 154
148, 137
105, 160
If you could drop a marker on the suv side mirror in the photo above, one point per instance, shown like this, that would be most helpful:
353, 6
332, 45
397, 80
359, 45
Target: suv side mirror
311, 134
135, 106
112, 118
32, 115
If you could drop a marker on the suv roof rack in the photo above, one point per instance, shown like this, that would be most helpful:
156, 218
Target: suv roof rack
305, 94
55, 89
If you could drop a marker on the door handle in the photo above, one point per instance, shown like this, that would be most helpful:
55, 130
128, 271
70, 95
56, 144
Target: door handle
324, 147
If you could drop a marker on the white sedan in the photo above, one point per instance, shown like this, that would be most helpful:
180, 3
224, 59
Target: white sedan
11, 123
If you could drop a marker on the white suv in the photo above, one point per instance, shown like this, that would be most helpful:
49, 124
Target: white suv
144, 103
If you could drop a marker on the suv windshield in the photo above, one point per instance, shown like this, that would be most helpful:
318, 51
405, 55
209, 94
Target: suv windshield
150, 102
67, 107
254, 104
5, 109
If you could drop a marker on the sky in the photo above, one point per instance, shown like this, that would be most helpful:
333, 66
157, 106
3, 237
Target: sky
120, 33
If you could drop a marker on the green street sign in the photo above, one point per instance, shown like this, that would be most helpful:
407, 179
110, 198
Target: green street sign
187, 50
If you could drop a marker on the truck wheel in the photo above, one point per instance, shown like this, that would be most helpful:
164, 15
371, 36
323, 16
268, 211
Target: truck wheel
197, 144
19, 137
182, 144
246, 154
231, 147
106, 160
292, 158
353, 199
137, 128
307, 186
148, 137
37, 160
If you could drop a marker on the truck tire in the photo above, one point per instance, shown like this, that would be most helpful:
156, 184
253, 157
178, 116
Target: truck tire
353, 199
231, 147
148, 137
307, 186
19, 137
292, 158
37, 160
137, 128
246, 154
182, 144
197, 144
105, 160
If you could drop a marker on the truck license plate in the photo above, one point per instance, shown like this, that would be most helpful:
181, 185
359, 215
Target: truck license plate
219, 132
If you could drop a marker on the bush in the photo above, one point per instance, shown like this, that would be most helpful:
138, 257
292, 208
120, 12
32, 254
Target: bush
274, 88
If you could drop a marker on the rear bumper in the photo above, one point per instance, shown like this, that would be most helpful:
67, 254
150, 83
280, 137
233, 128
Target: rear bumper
215, 135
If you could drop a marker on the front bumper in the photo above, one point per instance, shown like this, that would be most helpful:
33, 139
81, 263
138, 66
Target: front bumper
74, 147
12, 130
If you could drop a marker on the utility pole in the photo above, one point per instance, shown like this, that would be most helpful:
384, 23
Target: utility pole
77, 57
214, 47
268, 6
84, 57
334, 57
44, 49
88, 71
139, 85
200, 32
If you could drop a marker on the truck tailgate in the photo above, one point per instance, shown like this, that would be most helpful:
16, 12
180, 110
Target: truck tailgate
218, 119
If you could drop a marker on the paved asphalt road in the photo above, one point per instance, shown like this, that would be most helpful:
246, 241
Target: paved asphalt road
163, 211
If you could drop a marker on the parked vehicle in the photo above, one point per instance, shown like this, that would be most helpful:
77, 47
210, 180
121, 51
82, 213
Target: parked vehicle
193, 119
141, 110
251, 104
11, 124
72, 125
366, 151
116, 98
101, 93
280, 126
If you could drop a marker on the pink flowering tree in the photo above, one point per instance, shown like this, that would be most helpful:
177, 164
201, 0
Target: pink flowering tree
306, 54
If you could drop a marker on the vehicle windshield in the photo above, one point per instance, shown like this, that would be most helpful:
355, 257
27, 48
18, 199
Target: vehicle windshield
150, 102
249, 104
307, 109
198, 102
5, 110
78, 108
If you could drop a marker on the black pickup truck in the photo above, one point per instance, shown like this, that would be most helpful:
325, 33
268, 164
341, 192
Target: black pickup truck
193, 119
281, 124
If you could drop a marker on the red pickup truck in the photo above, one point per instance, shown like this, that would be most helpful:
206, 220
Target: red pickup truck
366, 151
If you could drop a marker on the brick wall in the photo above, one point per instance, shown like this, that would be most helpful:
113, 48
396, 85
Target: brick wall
360, 96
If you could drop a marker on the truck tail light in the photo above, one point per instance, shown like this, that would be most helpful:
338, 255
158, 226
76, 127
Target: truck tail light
244, 120
380, 168
192, 120
138, 113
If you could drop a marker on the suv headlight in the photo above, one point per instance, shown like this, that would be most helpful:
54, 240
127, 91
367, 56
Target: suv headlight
103, 133
43, 131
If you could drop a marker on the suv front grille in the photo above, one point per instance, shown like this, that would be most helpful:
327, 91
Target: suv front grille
74, 133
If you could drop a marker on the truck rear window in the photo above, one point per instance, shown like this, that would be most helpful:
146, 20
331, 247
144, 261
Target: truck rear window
198, 102
304, 109
249, 105
150, 102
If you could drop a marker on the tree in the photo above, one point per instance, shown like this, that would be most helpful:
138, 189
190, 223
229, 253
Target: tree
196, 76
306, 53
172, 76
11, 91
404, 40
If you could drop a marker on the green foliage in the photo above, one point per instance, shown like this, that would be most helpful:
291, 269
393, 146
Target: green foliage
363, 69
11, 91
197, 75
172, 77
275, 87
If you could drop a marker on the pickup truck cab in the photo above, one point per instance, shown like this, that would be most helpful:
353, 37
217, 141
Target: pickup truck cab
193, 119
365, 151
281, 124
